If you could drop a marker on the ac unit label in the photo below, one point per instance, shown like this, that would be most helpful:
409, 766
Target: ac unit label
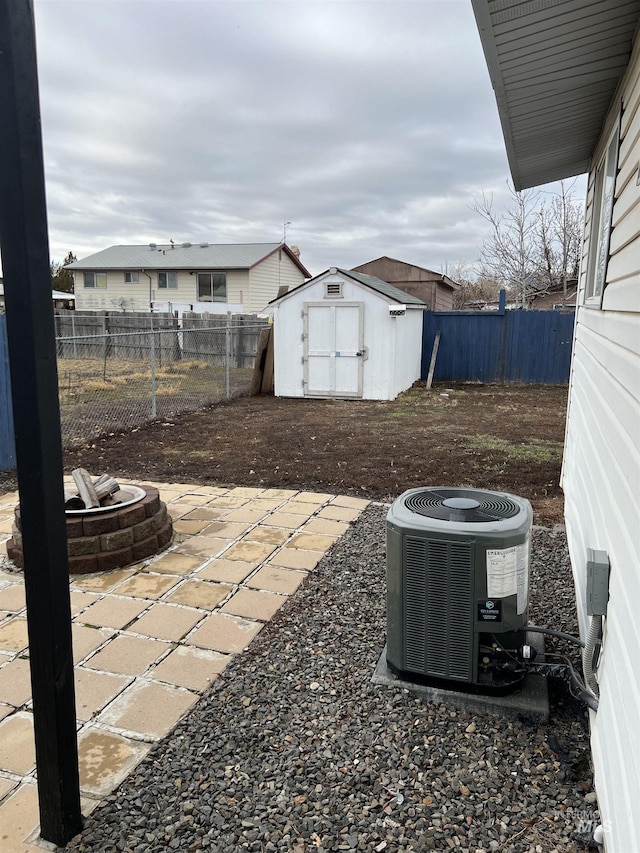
490, 610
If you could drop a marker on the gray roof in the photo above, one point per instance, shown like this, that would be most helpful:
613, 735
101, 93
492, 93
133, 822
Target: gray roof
555, 67
183, 256
384, 288
381, 287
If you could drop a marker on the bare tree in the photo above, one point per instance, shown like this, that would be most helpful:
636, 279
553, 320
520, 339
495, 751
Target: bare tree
509, 252
560, 234
532, 246
476, 292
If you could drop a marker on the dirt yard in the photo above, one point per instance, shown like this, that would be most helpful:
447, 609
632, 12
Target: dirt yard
507, 438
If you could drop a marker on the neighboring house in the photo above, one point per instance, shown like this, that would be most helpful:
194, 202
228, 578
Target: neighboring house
556, 300
241, 277
433, 288
345, 334
60, 298
567, 81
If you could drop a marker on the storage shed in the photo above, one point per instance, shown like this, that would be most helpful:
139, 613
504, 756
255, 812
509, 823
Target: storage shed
346, 334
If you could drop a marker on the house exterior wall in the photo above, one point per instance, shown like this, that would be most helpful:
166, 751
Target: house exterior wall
136, 296
601, 471
267, 277
388, 340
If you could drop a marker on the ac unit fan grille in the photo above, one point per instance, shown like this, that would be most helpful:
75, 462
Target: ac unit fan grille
438, 603
466, 505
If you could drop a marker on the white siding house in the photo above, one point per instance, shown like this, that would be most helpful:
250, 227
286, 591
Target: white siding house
184, 277
345, 334
552, 65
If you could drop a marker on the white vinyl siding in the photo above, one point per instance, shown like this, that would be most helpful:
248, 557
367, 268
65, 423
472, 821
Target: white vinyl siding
268, 276
601, 470
246, 290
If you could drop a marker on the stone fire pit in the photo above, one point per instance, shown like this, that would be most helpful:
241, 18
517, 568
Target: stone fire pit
106, 537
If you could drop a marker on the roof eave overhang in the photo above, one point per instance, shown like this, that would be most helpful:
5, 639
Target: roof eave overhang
556, 138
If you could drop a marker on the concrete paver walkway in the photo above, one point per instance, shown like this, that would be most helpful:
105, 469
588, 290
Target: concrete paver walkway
150, 638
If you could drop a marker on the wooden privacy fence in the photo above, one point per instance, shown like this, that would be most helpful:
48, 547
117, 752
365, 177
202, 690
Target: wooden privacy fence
215, 338
531, 347
7, 444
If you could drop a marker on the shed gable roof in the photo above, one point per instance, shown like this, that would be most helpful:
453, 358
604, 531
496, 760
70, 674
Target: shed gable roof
184, 256
555, 66
370, 281
443, 279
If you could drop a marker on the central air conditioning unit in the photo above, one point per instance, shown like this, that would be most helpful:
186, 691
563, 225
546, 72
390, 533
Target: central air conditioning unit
457, 586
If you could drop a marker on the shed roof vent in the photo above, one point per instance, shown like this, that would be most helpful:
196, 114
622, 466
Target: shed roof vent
333, 288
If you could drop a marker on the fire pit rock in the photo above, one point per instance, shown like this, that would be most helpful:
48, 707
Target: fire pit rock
111, 538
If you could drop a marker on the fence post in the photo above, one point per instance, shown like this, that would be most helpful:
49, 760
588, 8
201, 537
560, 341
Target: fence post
227, 361
153, 369
73, 333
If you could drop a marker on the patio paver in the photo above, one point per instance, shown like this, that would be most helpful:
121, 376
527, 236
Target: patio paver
228, 634
15, 682
191, 667
203, 594
112, 612
94, 690
105, 759
275, 579
174, 563
150, 638
17, 748
13, 635
19, 818
167, 622
128, 655
149, 710
229, 571
254, 604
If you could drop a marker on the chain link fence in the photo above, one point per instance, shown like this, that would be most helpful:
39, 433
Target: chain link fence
119, 372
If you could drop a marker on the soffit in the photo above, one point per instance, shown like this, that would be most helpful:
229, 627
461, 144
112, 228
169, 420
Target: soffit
555, 66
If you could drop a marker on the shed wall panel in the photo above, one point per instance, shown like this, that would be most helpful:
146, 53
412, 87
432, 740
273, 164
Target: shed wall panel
383, 378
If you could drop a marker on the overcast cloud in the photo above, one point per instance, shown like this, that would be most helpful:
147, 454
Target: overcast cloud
369, 126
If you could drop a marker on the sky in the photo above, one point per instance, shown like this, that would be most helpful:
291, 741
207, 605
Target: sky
369, 128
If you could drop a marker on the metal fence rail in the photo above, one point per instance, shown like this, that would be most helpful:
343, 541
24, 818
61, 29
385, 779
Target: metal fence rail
114, 380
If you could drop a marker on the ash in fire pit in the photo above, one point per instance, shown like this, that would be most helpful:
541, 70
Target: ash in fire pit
108, 526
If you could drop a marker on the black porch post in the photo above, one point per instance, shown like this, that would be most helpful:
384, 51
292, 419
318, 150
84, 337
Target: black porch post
34, 382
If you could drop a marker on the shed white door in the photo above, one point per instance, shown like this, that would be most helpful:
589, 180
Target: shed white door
333, 349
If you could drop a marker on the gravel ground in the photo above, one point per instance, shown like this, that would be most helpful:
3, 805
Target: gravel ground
294, 748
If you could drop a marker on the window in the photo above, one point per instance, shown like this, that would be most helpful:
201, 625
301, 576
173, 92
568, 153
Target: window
167, 280
212, 287
131, 278
603, 197
95, 279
